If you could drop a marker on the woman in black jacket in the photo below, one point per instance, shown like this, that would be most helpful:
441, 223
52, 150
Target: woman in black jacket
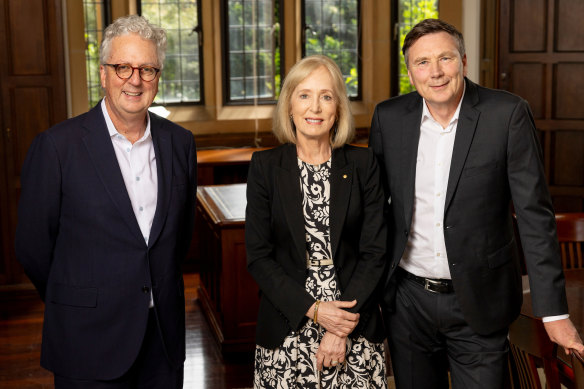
316, 241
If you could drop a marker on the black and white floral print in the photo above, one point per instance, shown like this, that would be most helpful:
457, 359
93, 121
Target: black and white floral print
293, 364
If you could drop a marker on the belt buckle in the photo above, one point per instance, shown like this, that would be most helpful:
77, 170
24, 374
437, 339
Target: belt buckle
433, 286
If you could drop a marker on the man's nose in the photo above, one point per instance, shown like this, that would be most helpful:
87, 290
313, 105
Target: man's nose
436, 68
135, 77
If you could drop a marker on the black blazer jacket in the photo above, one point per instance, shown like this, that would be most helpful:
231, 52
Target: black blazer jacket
496, 162
276, 247
80, 244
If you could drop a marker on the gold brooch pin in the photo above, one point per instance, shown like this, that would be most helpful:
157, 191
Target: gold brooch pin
344, 176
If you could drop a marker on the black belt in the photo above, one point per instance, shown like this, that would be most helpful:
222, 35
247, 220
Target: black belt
430, 284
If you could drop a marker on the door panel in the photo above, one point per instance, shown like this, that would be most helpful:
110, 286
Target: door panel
541, 58
32, 98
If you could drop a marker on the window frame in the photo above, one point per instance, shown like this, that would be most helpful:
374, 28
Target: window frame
106, 19
199, 31
226, 84
303, 28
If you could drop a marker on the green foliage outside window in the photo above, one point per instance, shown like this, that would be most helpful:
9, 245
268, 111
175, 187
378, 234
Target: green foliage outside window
253, 49
180, 80
410, 13
332, 29
93, 13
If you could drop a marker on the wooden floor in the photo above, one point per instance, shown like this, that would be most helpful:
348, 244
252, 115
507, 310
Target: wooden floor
20, 341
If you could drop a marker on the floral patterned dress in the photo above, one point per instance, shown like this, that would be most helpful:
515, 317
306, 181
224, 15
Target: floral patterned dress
293, 364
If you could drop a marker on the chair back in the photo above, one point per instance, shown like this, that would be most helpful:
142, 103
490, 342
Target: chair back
578, 366
571, 239
531, 348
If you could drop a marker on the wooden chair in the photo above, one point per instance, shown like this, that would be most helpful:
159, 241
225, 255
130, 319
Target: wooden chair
578, 367
571, 239
531, 348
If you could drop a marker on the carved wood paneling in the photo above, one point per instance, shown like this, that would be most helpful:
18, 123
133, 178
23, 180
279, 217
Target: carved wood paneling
531, 33
568, 88
529, 81
541, 58
570, 28
32, 98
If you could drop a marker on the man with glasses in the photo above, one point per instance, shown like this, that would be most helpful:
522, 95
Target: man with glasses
105, 218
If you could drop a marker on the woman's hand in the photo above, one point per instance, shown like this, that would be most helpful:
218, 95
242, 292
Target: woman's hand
334, 318
331, 351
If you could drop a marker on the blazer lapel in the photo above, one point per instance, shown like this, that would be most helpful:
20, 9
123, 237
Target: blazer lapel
467, 123
100, 148
410, 138
288, 186
341, 179
163, 151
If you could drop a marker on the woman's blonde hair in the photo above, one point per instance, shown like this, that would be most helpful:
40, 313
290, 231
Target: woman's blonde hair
344, 128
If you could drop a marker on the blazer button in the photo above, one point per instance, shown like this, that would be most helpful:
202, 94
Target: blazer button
406, 232
145, 289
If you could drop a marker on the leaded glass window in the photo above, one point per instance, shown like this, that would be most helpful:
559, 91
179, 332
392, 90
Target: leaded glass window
331, 27
96, 17
410, 12
181, 77
252, 50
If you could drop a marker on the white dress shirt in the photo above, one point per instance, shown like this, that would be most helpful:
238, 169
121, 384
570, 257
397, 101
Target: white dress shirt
425, 254
138, 166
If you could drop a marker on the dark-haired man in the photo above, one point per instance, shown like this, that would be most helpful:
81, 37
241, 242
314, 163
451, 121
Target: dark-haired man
455, 157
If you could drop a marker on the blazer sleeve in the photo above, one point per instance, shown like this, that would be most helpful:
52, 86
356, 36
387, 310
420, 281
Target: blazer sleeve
372, 241
39, 210
535, 215
287, 295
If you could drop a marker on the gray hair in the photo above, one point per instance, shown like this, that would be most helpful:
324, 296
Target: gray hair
133, 24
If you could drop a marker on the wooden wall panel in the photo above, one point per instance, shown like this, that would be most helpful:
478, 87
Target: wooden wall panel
28, 36
529, 34
26, 127
541, 58
528, 80
568, 96
570, 28
32, 98
569, 158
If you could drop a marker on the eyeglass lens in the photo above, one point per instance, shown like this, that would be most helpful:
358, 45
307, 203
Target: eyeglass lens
147, 73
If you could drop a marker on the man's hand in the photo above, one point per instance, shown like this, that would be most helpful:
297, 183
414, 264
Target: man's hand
565, 334
331, 351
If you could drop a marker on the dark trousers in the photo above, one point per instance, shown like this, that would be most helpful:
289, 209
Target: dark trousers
151, 370
428, 336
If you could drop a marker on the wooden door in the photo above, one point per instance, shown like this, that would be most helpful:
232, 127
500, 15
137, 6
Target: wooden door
541, 58
32, 98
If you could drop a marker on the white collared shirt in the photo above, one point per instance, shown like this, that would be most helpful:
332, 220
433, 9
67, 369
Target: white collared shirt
138, 166
425, 254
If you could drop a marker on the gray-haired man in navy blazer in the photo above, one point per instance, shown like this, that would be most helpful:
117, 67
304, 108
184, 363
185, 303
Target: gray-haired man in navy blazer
105, 219
455, 157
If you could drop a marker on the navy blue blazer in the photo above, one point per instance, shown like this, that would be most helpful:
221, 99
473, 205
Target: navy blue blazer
496, 163
276, 243
81, 246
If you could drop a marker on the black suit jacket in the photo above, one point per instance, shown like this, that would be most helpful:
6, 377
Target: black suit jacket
496, 161
276, 246
80, 244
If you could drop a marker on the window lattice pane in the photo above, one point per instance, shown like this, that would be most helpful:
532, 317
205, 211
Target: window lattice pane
410, 12
94, 15
332, 29
180, 80
253, 50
